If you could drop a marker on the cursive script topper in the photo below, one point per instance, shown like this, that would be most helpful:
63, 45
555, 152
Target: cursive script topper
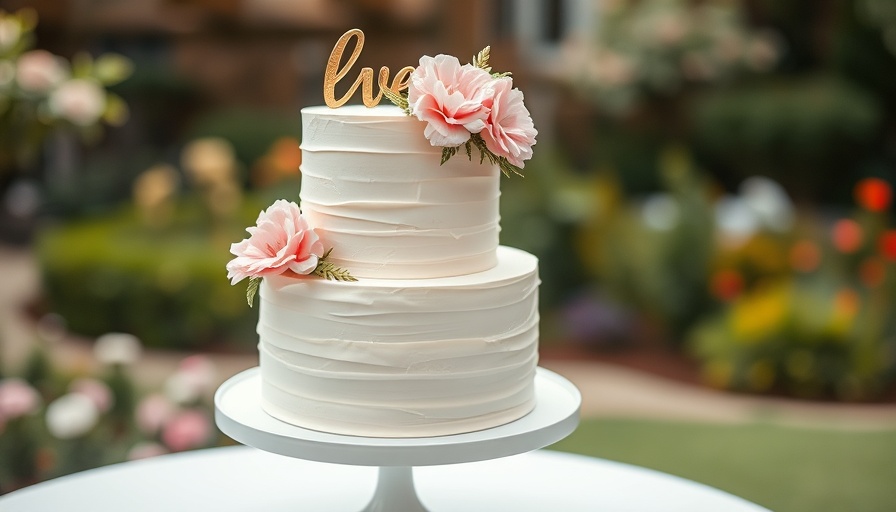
334, 74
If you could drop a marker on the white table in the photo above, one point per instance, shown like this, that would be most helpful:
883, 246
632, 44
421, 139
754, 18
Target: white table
243, 479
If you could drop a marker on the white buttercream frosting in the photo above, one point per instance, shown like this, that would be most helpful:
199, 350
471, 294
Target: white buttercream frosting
374, 189
402, 357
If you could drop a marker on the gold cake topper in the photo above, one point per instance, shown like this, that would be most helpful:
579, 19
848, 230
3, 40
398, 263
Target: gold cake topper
334, 73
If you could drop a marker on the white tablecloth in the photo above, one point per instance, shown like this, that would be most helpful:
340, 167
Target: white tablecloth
245, 479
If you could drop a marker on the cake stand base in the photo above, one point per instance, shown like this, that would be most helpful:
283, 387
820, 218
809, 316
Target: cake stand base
395, 491
238, 414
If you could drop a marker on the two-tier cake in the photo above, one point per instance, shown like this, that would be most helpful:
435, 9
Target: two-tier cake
438, 334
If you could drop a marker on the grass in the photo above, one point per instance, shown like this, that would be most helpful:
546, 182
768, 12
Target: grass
785, 469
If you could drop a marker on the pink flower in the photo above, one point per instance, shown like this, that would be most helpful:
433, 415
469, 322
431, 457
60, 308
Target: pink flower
153, 412
17, 398
450, 98
39, 71
509, 131
189, 429
281, 240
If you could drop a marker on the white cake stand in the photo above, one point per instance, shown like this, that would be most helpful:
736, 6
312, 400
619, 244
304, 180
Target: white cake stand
238, 414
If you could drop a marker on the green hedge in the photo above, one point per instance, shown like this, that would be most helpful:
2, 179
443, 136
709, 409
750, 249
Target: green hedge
167, 286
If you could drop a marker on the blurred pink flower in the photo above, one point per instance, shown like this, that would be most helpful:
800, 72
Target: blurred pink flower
39, 71
509, 131
152, 412
200, 367
17, 398
281, 240
79, 101
450, 98
145, 450
198, 371
194, 377
97, 391
188, 429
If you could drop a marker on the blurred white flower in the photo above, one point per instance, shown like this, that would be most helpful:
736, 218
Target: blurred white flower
194, 377
79, 100
96, 390
17, 398
145, 450
39, 71
71, 415
660, 212
735, 220
152, 412
117, 348
10, 32
769, 201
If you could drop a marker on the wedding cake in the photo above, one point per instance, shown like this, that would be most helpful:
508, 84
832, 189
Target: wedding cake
387, 307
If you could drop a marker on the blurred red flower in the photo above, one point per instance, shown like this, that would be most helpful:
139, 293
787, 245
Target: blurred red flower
887, 244
726, 284
847, 236
873, 194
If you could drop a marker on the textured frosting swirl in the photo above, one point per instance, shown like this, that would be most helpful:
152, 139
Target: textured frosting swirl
399, 358
374, 189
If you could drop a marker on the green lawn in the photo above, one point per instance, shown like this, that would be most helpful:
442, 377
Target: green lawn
783, 468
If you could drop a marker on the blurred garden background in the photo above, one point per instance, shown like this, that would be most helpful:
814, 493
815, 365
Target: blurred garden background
711, 200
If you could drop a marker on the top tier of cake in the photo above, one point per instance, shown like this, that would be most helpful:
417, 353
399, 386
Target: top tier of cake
374, 189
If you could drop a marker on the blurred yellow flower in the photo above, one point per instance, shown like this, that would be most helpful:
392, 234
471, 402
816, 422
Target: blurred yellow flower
761, 312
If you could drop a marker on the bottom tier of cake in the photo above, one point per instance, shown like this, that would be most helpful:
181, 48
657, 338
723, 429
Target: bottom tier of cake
402, 358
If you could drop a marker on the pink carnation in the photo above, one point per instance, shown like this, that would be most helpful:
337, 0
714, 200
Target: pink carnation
450, 98
281, 240
509, 131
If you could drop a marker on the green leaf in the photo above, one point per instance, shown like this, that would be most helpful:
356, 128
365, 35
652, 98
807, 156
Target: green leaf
252, 290
116, 112
82, 65
447, 153
112, 68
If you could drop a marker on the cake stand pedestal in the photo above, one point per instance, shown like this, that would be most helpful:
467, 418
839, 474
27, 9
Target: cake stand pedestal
238, 414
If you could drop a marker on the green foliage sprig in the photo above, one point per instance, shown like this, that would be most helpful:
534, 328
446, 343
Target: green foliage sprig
329, 271
324, 268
